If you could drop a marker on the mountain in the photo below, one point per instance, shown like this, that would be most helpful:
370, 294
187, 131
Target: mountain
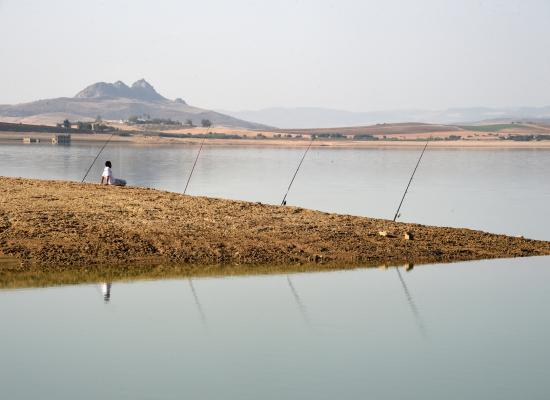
140, 90
314, 117
116, 101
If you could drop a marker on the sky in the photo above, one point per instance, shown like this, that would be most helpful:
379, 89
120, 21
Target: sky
356, 55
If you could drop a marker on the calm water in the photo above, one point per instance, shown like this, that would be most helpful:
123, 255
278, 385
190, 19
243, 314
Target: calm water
475, 330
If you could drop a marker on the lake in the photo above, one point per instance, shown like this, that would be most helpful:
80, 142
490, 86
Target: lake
473, 330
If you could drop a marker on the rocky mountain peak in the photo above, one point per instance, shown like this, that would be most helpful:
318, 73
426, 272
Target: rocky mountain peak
145, 91
120, 84
140, 90
142, 83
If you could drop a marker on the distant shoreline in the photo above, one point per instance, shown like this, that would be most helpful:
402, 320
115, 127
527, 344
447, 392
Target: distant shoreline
17, 138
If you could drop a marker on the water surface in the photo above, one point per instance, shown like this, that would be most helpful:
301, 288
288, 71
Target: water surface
476, 330
469, 330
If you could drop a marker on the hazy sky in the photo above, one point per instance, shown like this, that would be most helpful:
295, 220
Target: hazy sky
242, 54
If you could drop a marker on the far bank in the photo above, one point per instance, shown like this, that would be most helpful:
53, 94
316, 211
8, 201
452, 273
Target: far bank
100, 138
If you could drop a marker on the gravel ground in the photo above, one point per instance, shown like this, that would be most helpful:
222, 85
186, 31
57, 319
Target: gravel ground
58, 226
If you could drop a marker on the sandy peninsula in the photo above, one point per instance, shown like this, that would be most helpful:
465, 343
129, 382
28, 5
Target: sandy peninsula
59, 226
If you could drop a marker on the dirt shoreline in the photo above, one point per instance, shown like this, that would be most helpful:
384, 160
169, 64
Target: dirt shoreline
58, 226
16, 138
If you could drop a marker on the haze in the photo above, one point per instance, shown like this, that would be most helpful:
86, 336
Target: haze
353, 55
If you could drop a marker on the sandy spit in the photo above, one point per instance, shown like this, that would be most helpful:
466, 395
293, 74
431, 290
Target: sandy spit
60, 226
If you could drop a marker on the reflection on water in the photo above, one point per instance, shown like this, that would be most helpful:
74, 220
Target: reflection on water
11, 277
301, 307
327, 335
106, 291
198, 303
410, 300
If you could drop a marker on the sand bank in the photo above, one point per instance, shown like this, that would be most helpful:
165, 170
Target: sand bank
55, 226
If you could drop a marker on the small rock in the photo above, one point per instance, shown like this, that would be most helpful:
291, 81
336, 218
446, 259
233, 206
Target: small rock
408, 236
383, 233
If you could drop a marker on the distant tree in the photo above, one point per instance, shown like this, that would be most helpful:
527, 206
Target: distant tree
133, 119
189, 122
66, 124
206, 123
364, 136
98, 119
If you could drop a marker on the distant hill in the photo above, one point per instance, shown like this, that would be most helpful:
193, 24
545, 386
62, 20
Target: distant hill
116, 101
313, 117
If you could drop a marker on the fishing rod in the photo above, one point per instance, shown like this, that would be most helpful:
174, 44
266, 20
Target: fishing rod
410, 180
283, 203
194, 164
96, 157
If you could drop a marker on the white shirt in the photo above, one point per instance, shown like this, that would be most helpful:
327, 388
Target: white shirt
107, 173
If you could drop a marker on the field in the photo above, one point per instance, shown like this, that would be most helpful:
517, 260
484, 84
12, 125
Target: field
496, 135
